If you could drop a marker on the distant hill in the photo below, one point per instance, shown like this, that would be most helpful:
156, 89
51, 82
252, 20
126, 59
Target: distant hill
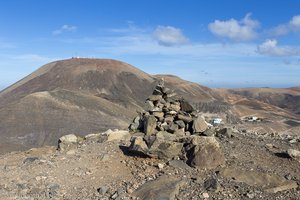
83, 96
80, 96
286, 98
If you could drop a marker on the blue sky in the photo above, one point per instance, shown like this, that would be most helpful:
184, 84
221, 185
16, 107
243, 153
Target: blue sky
233, 43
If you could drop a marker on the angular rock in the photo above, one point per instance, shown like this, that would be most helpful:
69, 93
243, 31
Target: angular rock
172, 128
137, 120
179, 164
118, 136
160, 165
180, 123
67, 142
173, 94
225, 132
149, 139
206, 153
269, 182
136, 124
71, 138
186, 107
71, 152
199, 125
166, 90
295, 154
156, 109
155, 97
158, 114
163, 135
149, 125
163, 188
164, 146
102, 190
180, 132
209, 132
172, 112
157, 91
134, 127
211, 184
92, 137
175, 107
184, 118
52, 190
148, 105
167, 104
30, 160
165, 126
169, 119
205, 195
285, 186
138, 145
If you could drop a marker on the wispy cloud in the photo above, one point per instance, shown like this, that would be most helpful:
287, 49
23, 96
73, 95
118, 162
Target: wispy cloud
21, 60
65, 28
146, 46
292, 26
242, 30
169, 36
130, 27
17, 66
140, 41
31, 58
270, 48
6, 45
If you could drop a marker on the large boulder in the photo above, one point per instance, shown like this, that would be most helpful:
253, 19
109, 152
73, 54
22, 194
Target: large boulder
205, 153
271, 183
165, 149
67, 142
199, 125
295, 154
118, 136
162, 146
163, 188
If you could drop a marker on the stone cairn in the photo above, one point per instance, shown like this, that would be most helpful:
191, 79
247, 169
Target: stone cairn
165, 111
170, 128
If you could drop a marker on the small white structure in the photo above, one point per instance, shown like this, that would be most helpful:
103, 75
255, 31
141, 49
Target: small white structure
252, 119
217, 121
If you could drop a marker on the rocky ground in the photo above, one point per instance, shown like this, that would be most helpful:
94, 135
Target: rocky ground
101, 169
171, 153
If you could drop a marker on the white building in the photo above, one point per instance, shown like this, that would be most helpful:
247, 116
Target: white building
217, 121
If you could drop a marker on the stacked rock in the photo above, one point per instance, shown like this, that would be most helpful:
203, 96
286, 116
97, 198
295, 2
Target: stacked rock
165, 111
169, 129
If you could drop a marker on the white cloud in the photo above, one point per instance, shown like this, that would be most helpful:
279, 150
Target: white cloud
143, 45
270, 48
295, 23
242, 30
169, 36
65, 28
279, 30
283, 29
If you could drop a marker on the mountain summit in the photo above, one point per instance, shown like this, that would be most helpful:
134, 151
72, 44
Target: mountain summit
80, 96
